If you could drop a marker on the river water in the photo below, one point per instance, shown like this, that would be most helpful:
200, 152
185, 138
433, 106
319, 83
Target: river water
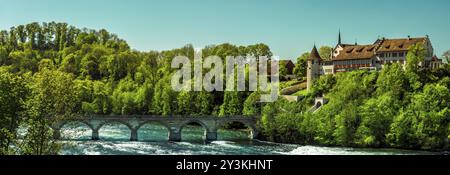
153, 141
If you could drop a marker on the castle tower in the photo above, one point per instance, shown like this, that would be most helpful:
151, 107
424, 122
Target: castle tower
313, 70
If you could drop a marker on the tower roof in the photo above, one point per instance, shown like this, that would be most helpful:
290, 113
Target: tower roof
339, 38
314, 54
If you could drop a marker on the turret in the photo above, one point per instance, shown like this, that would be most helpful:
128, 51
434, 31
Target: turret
313, 69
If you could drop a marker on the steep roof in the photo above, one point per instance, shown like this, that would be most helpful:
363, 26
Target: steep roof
286, 62
314, 54
354, 52
396, 45
435, 58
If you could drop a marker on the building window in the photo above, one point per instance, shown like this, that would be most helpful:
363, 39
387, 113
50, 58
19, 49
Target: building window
394, 55
401, 54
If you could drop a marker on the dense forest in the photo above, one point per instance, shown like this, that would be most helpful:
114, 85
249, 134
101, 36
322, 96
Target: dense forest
51, 71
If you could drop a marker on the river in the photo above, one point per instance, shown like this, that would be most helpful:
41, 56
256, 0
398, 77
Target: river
153, 141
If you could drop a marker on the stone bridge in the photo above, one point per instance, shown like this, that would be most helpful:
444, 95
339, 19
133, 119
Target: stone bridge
174, 124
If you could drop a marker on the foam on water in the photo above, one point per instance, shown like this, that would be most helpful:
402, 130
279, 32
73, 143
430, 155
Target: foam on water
317, 150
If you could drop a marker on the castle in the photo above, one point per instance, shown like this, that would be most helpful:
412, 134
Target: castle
348, 57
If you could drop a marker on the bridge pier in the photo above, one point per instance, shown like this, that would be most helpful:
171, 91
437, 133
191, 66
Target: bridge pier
95, 135
174, 135
134, 135
210, 136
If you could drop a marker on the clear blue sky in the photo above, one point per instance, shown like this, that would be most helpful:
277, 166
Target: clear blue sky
289, 27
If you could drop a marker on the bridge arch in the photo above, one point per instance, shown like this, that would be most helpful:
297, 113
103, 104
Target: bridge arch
253, 130
97, 133
59, 130
205, 127
103, 123
142, 124
152, 121
66, 122
194, 121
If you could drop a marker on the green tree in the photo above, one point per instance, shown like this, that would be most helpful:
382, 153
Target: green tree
203, 103
32, 30
269, 112
94, 96
71, 64
325, 52
376, 117
46, 64
3, 55
424, 123
144, 97
21, 33
415, 57
392, 79
13, 92
53, 98
123, 97
252, 106
324, 84
232, 104
164, 99
301, 65
185, 103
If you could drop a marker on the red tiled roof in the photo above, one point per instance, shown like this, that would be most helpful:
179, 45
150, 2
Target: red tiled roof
396, 45
354, 52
